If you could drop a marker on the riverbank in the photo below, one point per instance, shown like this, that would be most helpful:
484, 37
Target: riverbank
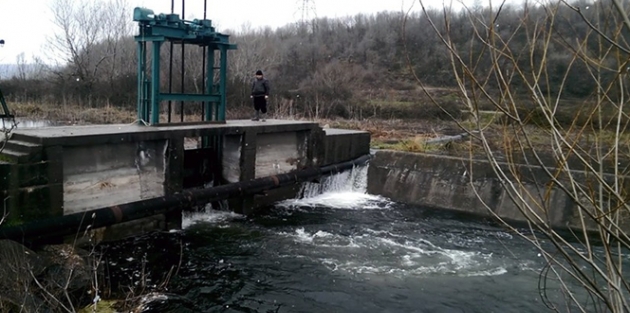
471, 186
448, 182
398, 134
71, 114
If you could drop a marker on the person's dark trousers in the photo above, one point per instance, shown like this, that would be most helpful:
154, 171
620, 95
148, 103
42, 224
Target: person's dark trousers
260, 105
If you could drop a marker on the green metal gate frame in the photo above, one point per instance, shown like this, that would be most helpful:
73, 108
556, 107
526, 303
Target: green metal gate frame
169, 27
5, 109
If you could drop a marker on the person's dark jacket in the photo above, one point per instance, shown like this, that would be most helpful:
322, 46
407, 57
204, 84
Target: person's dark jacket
260, 87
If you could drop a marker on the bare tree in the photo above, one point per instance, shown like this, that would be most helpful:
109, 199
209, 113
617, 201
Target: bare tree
27, 70
21, 66
89, 40
80, 29
331, 88
579, 145
117, 51
257, 49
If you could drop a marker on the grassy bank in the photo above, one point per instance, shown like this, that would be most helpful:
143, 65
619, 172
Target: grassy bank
396, 134
71, 114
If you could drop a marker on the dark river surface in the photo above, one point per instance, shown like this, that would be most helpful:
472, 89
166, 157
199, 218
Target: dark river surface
337, 250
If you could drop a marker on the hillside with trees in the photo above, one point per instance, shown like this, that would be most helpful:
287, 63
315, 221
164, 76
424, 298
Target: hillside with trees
540, 85
363, 66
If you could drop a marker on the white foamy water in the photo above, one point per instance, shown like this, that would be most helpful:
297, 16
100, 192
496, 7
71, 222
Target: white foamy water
209, 215
375, 253
366, 250
347, 190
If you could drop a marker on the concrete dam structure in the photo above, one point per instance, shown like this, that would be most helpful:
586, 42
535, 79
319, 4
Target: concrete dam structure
471, 187
61, 171
59, 180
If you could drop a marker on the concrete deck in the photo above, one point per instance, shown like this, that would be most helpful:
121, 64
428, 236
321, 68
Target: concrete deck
60, 170
116, 133
340, 131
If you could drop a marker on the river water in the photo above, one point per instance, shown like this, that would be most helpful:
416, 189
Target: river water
337, 250
7, 125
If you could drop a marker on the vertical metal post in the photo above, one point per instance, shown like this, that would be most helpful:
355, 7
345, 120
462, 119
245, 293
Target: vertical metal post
209, 90
203, 81
222, 83
170, 69
181, 104
141, 77
209, 83
155, 83
204, 104
170, 81
147, 100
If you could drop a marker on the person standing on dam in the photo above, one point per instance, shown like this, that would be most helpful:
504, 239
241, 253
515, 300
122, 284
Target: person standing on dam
260, 94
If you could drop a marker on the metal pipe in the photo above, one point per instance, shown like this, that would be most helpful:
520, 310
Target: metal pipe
78, 222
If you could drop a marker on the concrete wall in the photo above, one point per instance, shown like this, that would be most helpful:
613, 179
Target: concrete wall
445, 183
85, 168
231, 159
104, 175
31, 191
254, 154
342, 145
279, 153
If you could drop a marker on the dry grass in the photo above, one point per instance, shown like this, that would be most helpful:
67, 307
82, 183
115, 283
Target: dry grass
71, 114
78, 115
395, 134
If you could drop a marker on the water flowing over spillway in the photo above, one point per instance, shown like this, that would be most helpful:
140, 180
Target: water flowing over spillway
339, 249
381, 249
346, 190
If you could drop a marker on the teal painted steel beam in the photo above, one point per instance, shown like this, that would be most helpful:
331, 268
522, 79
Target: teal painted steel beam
208, 142
158, 28
209, 84
141, 80
145, 103
188, 97
155, 83
139, 84
145, 38
222, 84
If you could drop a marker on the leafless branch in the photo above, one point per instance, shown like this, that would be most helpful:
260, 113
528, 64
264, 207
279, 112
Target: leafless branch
599, 196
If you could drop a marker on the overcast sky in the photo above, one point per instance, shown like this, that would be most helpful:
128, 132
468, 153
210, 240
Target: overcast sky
25, 24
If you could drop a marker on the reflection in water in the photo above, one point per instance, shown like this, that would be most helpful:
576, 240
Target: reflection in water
8, 125
21, 123
28, 123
